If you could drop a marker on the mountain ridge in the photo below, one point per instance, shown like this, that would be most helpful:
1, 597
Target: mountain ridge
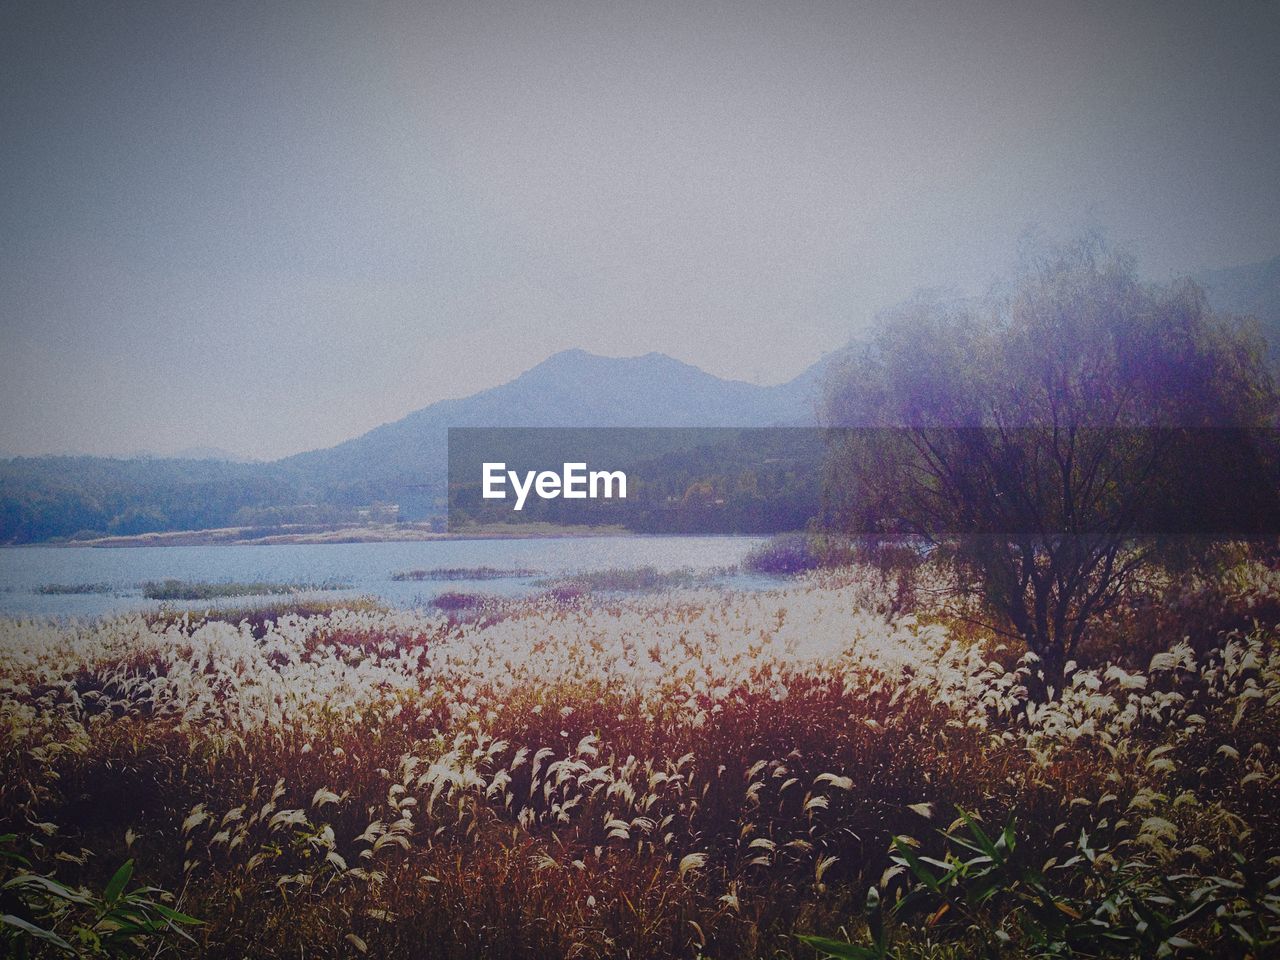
1249, 290
575, 388
402, 461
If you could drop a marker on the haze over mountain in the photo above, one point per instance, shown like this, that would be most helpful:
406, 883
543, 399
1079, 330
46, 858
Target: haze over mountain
570, 389
1250, 290
190, 453
402, 462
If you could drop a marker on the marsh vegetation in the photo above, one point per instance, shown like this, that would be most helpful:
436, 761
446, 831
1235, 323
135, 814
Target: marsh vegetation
694, 772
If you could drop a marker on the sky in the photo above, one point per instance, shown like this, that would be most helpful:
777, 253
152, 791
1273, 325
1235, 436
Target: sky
271, 226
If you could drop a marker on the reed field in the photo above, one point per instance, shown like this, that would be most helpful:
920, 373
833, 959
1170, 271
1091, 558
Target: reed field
816, 770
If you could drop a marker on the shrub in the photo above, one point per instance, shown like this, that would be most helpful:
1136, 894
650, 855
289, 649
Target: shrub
41, 912
201, 590
792, 553
463, 573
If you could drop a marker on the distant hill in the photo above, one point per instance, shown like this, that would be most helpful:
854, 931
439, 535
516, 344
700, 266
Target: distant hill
401, 462
43, 498
186, 453
405, 460
207, 453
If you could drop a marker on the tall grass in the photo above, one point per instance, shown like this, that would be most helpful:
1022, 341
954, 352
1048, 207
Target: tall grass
208, 590
630, 580
683, 774
793, 553
75, 589
464, 573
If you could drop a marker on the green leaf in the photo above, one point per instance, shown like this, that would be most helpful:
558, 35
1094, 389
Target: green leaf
174, 915
50, 887
12, 856
38, 932
116, 885
841, 949
980, 837
913, 862
875, 916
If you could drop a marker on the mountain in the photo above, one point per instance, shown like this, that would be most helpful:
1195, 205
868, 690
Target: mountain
207, 453
186, 453
42, 498
1251, 290
570, 389
404, 462
401, 462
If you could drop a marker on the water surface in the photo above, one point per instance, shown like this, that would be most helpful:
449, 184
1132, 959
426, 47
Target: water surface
366, 568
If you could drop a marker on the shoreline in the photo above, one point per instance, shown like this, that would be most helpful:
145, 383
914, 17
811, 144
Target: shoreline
399, 533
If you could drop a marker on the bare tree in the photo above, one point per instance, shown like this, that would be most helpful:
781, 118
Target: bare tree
1047, 437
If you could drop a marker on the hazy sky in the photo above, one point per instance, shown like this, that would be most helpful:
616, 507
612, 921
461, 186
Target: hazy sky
270, 226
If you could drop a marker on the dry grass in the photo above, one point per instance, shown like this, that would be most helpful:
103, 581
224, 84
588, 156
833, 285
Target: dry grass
691, 773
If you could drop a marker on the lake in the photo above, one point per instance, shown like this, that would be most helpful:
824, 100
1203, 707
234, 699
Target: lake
364, 568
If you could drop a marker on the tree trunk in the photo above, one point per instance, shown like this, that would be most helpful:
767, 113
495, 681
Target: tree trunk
1047, 680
